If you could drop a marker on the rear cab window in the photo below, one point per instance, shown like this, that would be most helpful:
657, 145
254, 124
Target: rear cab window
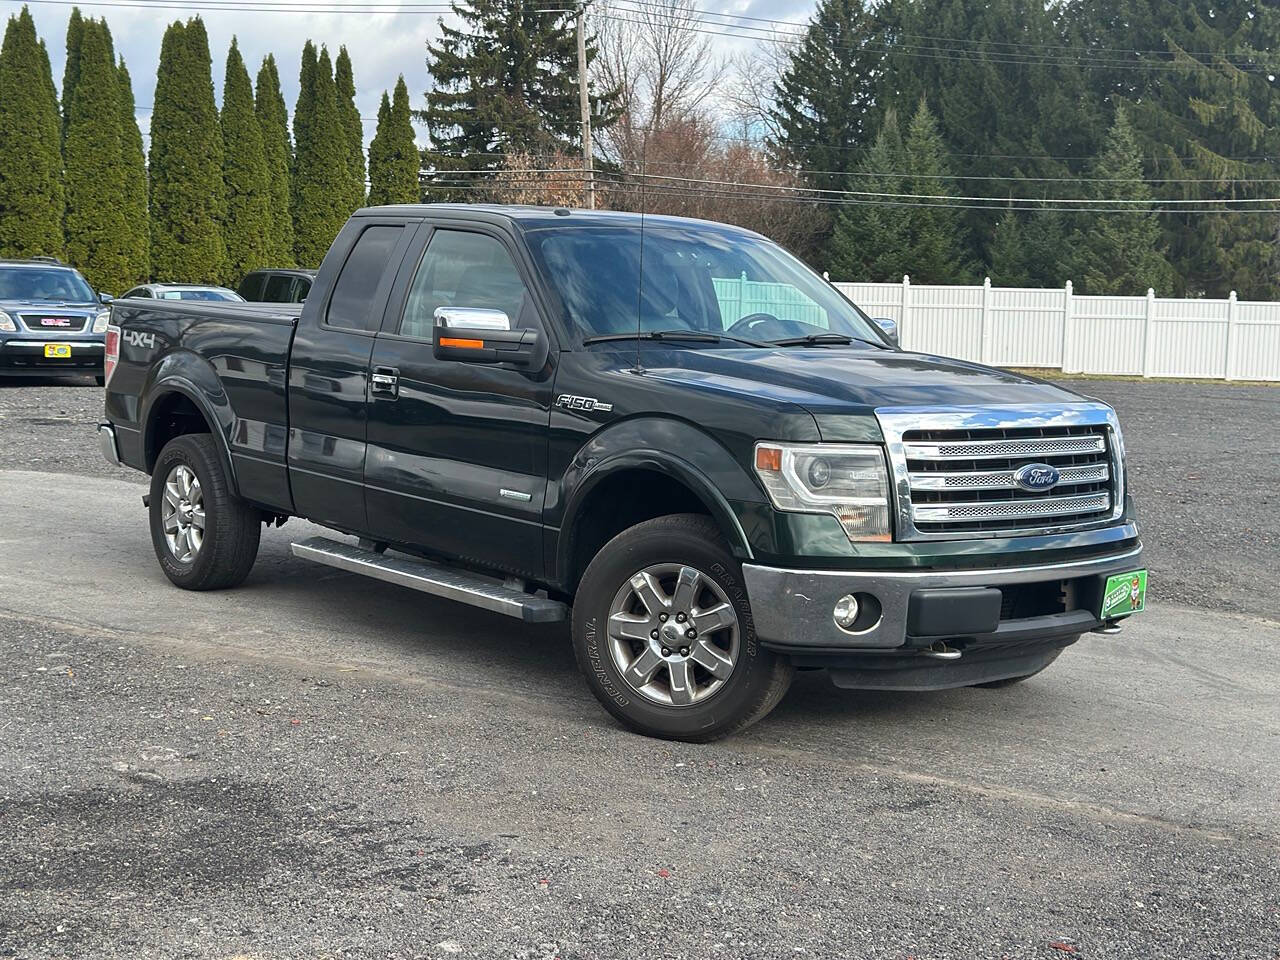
354, 303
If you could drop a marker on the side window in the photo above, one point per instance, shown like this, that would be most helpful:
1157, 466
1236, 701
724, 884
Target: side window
301, 287
352, 304
461, 269
251, 286
277, 290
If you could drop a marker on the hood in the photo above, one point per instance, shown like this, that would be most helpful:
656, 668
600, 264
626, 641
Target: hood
75, 307
837, 384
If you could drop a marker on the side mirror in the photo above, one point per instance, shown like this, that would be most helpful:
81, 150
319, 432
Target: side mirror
888, 327
480, 335
105, 297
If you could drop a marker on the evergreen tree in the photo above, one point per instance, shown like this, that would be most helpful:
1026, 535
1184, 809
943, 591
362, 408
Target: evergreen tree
1008, 255
188, 199
352, 127
871, 241
273, 121
245, 172
1208, 119
134, 204
934, 230
31, 189
393, 154
1120, 253
505, 82
71, 68
826, 92
98, 235
320, 180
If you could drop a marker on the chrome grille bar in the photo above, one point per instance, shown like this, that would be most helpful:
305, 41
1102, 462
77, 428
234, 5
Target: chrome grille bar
1003, 479
1011, 509
1019, 447
953, 469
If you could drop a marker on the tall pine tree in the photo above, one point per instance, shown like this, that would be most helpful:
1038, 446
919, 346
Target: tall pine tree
825, 94
31, 189
352, 127
393, 154
97, 231
273, 122
320, 180
504, 82
71, 67
188, 199
935, 227
1119, 253
245, 172
134, 204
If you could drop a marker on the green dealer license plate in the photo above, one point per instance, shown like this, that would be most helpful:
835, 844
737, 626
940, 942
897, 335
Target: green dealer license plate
1125, 593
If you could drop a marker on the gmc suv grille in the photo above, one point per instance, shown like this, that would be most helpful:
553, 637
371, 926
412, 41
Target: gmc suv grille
962, 481
52, 323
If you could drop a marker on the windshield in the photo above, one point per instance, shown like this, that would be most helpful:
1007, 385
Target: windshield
695, 277
26, 283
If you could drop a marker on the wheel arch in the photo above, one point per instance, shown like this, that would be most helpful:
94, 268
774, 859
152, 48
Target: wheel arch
629, 488
177, 405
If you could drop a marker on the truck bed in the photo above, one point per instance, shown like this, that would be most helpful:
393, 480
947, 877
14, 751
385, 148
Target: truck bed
228, 359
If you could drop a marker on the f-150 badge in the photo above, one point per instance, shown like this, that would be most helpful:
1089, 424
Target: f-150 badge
570, 402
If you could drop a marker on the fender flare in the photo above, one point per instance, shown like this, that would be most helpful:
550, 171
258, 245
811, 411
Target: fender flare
218, 416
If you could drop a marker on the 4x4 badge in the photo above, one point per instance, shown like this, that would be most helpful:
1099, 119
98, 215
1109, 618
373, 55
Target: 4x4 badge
569, 402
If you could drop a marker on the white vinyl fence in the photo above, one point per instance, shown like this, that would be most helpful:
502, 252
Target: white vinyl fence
1141, 336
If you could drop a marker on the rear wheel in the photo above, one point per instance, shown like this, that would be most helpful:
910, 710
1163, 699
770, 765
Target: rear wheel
204, 537
663, 633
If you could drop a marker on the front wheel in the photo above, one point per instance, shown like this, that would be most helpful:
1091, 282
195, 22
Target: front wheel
204, 536
663, 633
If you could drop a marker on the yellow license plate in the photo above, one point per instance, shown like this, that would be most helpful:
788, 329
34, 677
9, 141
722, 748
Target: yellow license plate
57, 350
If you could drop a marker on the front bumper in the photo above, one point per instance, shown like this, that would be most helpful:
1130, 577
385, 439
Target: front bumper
988, 615
25, 356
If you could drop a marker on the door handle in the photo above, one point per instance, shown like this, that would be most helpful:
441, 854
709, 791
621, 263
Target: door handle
385, 381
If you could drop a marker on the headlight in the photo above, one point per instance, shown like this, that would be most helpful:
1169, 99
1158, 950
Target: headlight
7, 324
101, 320
847, 481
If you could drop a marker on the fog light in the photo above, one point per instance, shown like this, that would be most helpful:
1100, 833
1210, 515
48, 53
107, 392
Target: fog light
846, 611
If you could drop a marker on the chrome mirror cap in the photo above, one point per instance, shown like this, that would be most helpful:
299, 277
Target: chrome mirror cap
889, 327
473, 318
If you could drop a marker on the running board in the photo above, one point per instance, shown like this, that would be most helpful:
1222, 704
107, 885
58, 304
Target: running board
433, 578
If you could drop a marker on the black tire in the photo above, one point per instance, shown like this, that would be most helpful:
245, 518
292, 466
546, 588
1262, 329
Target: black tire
232, 527
1010, 681
759, 678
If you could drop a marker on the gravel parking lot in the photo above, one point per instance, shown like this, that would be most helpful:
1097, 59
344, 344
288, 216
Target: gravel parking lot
316, 765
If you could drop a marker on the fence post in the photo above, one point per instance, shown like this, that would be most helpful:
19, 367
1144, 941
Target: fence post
1148, 343
1229, 366
1068, 309
906, 307
984, 344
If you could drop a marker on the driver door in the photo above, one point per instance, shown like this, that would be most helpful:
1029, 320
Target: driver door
457, 451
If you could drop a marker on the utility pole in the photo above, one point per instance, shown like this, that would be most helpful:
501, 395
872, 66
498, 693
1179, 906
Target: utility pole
585, 103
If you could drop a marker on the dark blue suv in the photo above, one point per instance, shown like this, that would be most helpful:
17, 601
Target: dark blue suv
51, 321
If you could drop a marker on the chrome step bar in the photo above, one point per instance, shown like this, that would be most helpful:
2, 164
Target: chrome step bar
433, 578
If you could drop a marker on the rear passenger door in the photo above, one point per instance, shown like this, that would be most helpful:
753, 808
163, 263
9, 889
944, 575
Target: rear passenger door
457, 451
329, 372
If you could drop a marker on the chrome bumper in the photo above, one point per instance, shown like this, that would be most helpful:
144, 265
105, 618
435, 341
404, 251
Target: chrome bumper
107, 444
792, 609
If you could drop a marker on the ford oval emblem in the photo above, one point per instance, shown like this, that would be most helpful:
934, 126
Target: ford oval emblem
1036, 477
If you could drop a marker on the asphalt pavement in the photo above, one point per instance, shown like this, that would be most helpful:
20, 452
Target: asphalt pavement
318, 765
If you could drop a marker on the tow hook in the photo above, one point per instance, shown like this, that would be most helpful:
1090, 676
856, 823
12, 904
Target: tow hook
146, 501
1108, 628
940, 651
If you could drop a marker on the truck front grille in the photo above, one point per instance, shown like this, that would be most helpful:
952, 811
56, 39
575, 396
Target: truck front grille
956, 479
53, 323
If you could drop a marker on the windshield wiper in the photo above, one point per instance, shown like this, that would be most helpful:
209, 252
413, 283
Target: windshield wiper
818, 339
689, 336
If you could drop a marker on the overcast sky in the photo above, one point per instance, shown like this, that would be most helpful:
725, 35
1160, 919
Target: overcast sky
382, 46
